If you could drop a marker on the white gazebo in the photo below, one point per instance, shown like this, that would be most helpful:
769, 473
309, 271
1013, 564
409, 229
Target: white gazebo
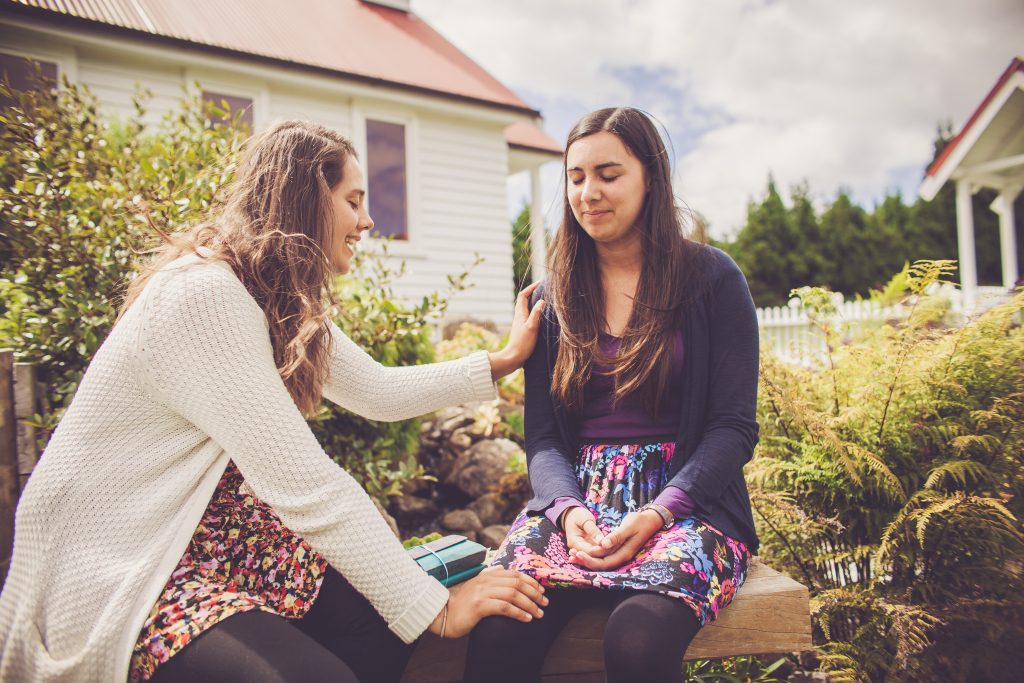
988, 152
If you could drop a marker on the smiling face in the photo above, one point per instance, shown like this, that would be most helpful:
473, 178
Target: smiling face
605, 187
351, 218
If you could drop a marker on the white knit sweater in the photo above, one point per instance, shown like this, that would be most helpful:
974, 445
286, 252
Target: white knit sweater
185, 382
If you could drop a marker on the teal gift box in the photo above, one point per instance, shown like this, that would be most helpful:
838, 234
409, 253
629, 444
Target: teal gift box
450, 559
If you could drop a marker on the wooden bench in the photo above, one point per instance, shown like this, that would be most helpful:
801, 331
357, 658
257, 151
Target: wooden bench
770, 614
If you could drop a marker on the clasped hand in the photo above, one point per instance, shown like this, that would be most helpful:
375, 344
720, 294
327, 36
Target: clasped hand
590, 548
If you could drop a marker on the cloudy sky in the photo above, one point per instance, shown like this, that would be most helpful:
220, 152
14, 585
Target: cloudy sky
834, 93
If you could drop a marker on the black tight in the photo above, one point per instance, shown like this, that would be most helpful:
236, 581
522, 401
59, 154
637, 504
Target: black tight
645, 639
341, 639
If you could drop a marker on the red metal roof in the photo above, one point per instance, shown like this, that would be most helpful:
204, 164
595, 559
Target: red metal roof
1016, 65
349, 37
527, 136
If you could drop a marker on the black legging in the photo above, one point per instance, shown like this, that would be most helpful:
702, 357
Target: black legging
645, 639
341, 639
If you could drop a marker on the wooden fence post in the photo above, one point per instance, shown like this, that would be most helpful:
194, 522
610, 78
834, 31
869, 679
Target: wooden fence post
8, 460
26, 404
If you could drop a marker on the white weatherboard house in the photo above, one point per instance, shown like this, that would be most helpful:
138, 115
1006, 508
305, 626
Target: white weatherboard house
437, 134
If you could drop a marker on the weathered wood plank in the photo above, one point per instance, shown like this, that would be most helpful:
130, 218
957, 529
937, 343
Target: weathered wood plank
770, 614
26, 404
8, 459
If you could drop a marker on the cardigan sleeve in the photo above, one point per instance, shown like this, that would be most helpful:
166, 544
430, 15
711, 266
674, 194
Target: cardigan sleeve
204, 352
358, 383
548, 460
730, 427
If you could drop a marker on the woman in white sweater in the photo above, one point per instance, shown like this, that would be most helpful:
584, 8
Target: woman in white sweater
183, 522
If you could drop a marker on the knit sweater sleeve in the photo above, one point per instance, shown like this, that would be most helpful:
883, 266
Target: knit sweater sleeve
358, 383
204, 352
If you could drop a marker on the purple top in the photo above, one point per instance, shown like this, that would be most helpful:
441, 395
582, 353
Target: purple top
628, 420
600, 420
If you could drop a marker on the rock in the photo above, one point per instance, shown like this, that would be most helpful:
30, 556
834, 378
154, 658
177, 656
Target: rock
460, 440
450, 424
410, 509
461, 521
416, 487
387, 518
478, 470
493, 535
451, 327
490, 508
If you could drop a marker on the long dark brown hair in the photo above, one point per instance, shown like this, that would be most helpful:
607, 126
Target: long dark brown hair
271, 228
670, 277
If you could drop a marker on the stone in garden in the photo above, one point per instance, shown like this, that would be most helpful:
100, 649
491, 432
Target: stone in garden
478, 470
409, 508
449, 425
490, 508
460, 439
493, 535
461, 521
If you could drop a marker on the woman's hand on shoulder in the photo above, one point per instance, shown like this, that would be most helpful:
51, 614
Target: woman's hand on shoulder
493, 591
521, 338
622, 544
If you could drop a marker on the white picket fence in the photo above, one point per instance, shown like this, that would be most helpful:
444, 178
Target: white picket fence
789, 332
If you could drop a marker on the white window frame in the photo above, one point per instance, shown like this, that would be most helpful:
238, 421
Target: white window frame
258, 92
411, 247
67, 62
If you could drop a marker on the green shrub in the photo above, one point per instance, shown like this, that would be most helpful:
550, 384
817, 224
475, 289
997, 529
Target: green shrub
81, 198
470, 337
890, 482
381, 455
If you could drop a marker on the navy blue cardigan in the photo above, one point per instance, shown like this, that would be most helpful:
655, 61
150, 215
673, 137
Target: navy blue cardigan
717, 427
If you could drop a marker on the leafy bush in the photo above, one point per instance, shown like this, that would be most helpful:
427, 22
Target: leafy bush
470, 337
381, 455
81, 198
890, 481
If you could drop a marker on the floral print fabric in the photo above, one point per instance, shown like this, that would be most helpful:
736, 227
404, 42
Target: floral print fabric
692, 561
241, 557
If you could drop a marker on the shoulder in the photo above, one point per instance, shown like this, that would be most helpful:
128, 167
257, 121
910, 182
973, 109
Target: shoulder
720, 264
196, 286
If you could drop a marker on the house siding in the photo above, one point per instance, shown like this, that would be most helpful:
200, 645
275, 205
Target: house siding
458, 164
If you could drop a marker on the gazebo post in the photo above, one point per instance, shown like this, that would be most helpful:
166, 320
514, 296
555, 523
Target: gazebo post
965, 242
538, 243
1003, 207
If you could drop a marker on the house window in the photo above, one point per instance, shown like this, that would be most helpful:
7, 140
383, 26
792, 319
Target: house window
387, 182
21, 73
234, 105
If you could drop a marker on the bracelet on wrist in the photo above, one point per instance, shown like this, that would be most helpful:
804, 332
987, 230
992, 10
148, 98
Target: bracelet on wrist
667, 519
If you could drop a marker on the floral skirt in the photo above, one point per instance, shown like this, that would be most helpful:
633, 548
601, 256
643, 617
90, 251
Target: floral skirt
241, 557
692, 561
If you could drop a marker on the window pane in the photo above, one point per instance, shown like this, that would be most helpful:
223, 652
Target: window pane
386, 178
235, 104
20, 73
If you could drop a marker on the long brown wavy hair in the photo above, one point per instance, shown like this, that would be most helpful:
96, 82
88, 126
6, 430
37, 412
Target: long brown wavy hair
670, 278
271, 227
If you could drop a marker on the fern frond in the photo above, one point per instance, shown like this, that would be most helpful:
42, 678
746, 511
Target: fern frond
963, 473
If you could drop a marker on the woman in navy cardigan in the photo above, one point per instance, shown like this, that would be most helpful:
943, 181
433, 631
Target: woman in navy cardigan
640, 414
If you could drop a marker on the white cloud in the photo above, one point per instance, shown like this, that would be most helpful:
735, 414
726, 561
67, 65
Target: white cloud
835, 93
